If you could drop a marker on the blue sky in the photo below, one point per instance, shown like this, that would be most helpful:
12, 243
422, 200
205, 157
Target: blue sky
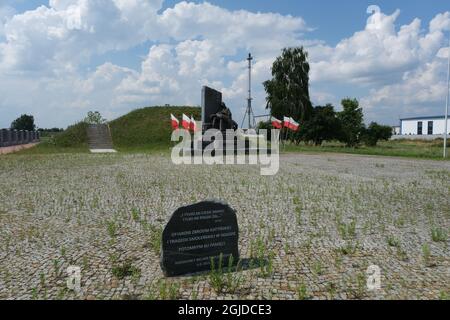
60, 61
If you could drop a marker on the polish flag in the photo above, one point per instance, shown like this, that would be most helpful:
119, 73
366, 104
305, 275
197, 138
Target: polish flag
186, 122
277, 124
193, 125
287, 122
294, 125
175, 122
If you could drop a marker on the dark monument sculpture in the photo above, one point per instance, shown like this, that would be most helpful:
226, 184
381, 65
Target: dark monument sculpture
198, 234
223, 120
211, 102
215, 114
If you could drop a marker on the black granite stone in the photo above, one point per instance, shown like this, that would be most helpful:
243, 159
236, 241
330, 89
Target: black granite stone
211, 104
197, 233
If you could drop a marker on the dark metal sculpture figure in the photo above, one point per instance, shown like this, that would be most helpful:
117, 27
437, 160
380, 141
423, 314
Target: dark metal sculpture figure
222, 120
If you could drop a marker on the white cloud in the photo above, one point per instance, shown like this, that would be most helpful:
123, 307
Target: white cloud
421, 92
380, 53
6, 12
44, 53
196, 44
401, 68
69, 32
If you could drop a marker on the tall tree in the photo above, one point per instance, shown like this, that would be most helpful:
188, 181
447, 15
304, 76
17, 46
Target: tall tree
288, 90
24, 122
351, 118
322, 126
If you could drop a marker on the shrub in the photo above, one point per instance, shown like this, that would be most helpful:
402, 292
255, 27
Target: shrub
438, 235
374, 133
73, 136
323, 126
125, 270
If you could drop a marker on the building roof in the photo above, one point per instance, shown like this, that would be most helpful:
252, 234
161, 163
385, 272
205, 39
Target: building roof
424, 118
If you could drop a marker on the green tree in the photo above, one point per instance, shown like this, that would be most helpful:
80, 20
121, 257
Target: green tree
24, 122
324, 125
351, 118
288, 90
94, 117
374, 133
265, 125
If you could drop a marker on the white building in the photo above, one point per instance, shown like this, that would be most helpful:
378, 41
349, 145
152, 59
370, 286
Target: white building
424, 126
396, 130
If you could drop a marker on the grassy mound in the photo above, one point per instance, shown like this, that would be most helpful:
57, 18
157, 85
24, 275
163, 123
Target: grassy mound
142, 129
148, 127
74, 136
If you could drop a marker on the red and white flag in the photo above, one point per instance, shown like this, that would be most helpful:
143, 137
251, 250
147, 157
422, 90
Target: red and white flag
291, 124
186, 122
175, 122
294, 125
287, 122
193, 126
277, 124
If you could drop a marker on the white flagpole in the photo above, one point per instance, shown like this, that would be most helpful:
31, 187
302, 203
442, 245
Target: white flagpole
447, 101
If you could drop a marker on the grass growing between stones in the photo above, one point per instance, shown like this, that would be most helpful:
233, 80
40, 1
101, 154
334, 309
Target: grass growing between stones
125, 269
310, 232
164, 290
393, 148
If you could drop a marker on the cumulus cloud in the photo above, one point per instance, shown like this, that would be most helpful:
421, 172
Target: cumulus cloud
69, 32
420, 92
265, 33
6, 12
401, 68
194, 45
380, 53
45, 58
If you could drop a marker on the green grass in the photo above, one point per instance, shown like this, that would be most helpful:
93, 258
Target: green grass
124, 270
394, 148
148, 128
145, 130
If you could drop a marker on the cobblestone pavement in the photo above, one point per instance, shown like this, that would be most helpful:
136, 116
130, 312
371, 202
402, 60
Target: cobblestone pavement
310, 232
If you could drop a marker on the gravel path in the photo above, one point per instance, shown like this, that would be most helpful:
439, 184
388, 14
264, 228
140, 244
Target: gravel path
317, 225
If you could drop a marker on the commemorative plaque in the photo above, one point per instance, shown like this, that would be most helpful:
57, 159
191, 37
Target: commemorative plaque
197, 234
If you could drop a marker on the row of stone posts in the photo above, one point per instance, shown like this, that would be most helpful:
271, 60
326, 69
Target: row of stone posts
9, 137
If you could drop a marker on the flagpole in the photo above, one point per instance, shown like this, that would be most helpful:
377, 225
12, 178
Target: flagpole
447, 101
